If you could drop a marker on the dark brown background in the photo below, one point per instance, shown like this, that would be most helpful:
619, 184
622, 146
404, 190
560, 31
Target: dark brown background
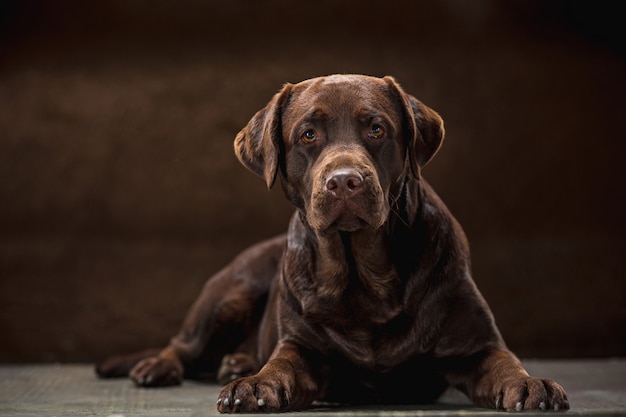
120, 193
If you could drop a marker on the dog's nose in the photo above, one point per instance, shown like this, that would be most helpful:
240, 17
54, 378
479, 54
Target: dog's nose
344, 182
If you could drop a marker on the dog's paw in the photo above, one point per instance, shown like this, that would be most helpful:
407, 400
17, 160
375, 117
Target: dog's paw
254, 394
157, 372
531, 394
120, 365
235, 366
113, 367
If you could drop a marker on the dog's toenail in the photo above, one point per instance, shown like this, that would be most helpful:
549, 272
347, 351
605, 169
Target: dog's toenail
226, 402
260, 402
519, 406
542, 405
237, 401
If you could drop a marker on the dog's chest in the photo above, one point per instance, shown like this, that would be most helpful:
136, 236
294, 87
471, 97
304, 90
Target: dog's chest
372, 346
365, 331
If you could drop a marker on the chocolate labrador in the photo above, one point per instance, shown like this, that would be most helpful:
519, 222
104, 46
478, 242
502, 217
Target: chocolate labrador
369, 297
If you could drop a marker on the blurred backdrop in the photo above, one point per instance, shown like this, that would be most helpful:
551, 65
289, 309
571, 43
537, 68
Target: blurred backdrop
120, 193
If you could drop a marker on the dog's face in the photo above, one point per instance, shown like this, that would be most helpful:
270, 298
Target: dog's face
343, 147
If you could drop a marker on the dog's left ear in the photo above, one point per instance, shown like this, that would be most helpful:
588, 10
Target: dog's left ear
423, 128
258, 145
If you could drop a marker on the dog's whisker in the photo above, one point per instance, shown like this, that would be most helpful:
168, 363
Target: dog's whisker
394, 202
398, 216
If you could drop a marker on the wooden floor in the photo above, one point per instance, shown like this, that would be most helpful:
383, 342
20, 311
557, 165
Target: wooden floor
595, 387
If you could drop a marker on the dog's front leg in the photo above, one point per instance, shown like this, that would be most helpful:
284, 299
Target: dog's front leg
289, 381
500, 381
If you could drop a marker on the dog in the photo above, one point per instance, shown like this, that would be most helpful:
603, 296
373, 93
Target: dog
368, 297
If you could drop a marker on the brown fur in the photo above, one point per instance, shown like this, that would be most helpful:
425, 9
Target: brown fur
369, 296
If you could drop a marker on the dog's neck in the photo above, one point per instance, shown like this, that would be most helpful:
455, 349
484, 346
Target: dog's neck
350, 267
352, 258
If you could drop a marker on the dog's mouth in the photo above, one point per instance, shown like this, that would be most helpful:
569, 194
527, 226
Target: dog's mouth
347, 220
328, 214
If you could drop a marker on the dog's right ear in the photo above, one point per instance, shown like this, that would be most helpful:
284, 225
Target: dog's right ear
258, 145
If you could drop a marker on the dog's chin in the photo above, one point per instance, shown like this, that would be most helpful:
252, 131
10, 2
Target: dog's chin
348, 223
345, 222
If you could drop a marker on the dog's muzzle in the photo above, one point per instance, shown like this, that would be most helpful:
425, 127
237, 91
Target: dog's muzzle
347, 194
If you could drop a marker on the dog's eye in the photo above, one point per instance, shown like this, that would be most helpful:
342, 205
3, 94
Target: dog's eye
309, 136
376, 132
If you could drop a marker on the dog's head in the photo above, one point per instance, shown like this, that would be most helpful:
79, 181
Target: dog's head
343, 146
